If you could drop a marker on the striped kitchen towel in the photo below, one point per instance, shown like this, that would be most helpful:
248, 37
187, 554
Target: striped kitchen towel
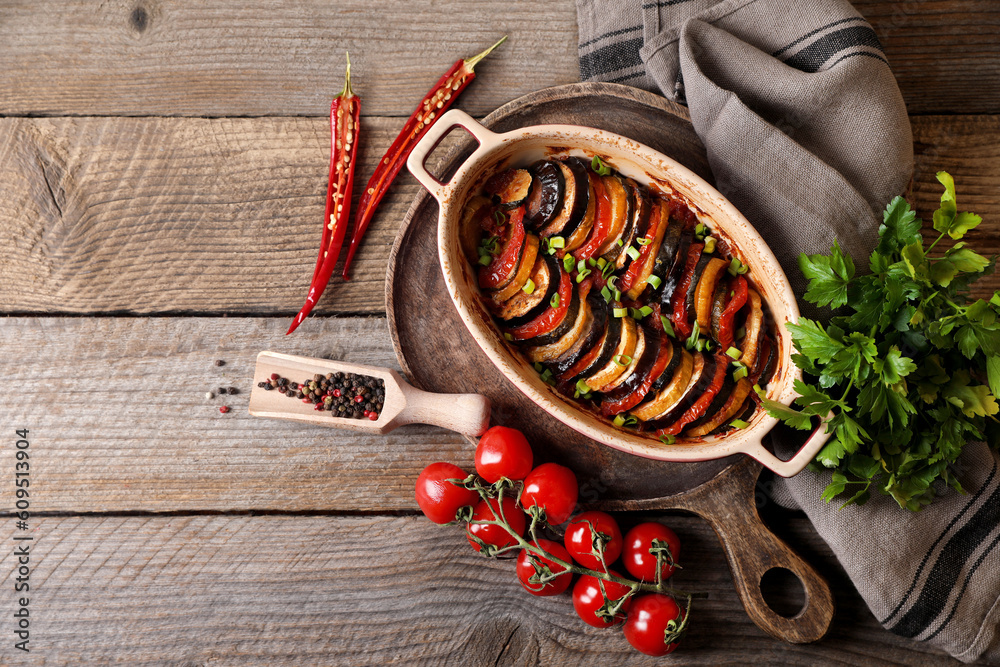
807, 133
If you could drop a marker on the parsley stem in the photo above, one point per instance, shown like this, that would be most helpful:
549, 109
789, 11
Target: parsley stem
846, 391
931, 247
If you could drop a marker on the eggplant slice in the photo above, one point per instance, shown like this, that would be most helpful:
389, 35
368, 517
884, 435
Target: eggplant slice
593, 336
510, 188
576, 200
522, 308
545, 200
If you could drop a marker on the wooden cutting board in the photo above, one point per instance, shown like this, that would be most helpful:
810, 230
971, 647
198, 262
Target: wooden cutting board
438, 354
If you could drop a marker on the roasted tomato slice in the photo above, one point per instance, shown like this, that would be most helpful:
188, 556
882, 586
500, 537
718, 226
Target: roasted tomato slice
551, 317
504, 264
740, 291
630, 393
680, 315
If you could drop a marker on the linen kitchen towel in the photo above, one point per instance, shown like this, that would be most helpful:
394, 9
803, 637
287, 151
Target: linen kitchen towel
807, 134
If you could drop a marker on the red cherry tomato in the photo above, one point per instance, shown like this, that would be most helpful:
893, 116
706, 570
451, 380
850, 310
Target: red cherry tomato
587, 599
438, 498
503, 452
579, 539
636, 555
496, 536
526, 562
646, 626
553, 488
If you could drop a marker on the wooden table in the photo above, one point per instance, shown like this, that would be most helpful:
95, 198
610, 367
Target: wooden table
162, 172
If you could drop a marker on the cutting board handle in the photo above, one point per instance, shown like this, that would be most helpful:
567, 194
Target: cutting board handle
727, 503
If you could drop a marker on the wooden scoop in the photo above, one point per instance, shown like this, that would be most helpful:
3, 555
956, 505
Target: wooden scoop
404, 404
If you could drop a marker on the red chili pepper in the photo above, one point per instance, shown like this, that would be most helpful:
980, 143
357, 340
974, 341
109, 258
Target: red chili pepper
701, 405
552, 316
682, 327
726, 321
437, 101
345, 117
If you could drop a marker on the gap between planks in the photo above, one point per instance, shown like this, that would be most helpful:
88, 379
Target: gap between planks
182, 216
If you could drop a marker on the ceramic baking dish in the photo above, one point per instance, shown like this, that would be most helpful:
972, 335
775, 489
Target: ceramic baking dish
524, 146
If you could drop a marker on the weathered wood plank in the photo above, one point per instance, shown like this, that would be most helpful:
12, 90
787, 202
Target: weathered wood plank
167, 215
260, 58
365, 591
119, 421
257, 58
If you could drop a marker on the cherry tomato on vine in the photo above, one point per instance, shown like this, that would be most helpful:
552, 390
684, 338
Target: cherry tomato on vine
496, 536
587, 599
438, 498
638, 559
579, 539
527, 561
646, 628
553, 488
503, 452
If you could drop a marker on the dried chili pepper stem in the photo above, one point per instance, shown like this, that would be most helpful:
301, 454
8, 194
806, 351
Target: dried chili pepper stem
345, 117
435, 103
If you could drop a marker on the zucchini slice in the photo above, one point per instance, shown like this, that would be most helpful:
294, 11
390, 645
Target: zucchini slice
589, 342
754, 323
608, 344
701, 373
705, 292
733, 404
521, 307
620, 210
674, 390
635, 358
648, 255
524, 271
549, 351
611, 371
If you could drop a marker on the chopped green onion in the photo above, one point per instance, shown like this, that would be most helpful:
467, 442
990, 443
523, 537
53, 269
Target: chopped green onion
700, 345
741, 332
608, 269
485, 259
709, 245
583, 274
507, 336
620, 242
547, 376
539, 367
646, 311
634, 313
606, 293
618, 295
591, 262
581, 265
620, 312
734, 267
644, 241
529, 287
582, 389
667, 327
739, 423
693, 338
601, 262
622, 360
699, 229
668, 439
740, 374
632, 252
760, 392
612, 282
734, 353
654, 281
618, 420
557, 242
499, 217
568, 263
598, 165
554, 301
631, 420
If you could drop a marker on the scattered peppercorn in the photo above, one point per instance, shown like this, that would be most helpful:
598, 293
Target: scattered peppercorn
233, 391
209, 396
220, 362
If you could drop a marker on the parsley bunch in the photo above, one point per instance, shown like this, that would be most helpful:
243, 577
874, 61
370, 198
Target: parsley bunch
910, 369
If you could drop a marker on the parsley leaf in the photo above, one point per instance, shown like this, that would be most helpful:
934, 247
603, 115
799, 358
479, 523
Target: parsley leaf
908, 369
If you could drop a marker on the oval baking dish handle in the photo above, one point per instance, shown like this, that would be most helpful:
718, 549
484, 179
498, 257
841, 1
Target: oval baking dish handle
794, 465
448, 122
